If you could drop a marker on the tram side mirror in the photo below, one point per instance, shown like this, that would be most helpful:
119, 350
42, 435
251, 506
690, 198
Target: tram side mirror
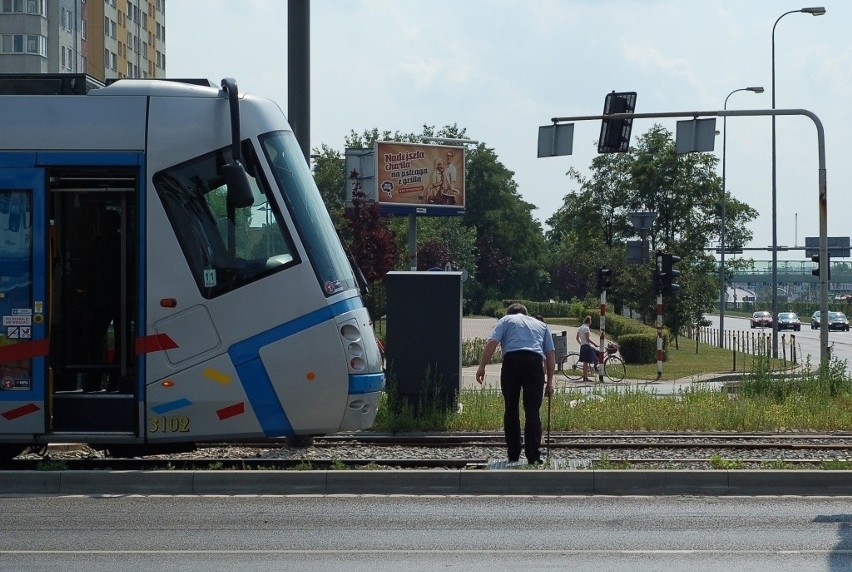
239, 189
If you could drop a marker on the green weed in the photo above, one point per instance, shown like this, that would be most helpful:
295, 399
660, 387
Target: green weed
718, 462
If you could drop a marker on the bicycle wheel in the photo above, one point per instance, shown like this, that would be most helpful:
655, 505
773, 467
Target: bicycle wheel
614, 368
572, 367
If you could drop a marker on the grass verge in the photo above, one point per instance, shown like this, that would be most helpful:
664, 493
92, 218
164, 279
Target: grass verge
816, 401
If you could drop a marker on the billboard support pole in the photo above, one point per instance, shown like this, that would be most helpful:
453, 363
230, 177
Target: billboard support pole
412, 241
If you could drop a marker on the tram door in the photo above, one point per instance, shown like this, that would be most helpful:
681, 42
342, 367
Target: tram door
92, 238
23, 339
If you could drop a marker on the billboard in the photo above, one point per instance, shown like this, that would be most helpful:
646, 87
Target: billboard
419, 178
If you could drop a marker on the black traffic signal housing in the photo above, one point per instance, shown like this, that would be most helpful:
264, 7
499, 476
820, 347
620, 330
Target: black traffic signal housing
615, 133
665, 273
604, 278
815, 271
669, 273
658, 273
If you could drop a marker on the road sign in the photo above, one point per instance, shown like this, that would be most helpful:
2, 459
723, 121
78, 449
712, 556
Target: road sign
696, 135
556, 140
838, 246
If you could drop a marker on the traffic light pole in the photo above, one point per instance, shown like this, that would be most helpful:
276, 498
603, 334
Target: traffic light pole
823, 193
659, 334
602, 347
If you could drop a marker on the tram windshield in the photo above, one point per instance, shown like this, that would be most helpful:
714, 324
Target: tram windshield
225, 247
308, 211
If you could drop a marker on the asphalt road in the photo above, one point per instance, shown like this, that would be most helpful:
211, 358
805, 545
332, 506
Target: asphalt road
391, 533
807, 340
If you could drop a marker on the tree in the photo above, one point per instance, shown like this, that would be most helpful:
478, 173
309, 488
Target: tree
369, 238
683, 190
446, 239
510, 242
331, 181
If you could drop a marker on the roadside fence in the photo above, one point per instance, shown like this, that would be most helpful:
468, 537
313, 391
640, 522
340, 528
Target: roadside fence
753, 343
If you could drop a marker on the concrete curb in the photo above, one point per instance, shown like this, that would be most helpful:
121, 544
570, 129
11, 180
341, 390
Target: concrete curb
541, 482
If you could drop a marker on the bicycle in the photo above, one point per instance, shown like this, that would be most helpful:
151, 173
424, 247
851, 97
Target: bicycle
613, 365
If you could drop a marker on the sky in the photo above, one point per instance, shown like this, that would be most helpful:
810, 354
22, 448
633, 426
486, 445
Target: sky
502, 68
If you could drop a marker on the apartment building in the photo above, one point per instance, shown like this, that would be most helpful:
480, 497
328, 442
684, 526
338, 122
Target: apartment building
106, 39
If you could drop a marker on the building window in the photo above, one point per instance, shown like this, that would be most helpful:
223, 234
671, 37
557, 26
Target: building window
83, 28
36, 7
23, 44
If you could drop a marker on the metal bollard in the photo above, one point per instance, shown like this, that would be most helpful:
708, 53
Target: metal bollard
735, 352
793, 348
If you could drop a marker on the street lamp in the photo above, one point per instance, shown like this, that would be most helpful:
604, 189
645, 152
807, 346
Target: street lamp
722, 297
814, 11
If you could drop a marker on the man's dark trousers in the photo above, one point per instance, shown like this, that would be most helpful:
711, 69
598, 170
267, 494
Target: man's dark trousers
522, 371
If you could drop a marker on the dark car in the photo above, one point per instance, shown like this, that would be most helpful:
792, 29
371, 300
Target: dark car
836, 321
761, 320
789, 321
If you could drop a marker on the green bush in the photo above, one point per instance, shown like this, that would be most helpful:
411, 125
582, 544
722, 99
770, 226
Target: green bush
543, 309
638, 348
494, 308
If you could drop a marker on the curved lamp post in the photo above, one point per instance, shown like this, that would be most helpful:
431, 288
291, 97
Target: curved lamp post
722, 297
813, 11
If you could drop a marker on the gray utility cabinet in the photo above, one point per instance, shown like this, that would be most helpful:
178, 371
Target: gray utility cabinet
424, 335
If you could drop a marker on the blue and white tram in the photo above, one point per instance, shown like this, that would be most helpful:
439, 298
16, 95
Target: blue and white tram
169, 273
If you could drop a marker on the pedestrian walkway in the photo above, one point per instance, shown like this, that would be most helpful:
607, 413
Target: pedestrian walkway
660, 387
482, 327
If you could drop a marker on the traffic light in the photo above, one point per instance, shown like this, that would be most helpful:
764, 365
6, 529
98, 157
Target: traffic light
815, 271
615, 133
658, 273
669, 273
604, 278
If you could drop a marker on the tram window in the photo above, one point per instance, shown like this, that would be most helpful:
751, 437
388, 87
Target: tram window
309, 213
224, 247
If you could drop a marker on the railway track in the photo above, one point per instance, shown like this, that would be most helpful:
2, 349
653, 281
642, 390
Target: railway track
838, 441
481, 450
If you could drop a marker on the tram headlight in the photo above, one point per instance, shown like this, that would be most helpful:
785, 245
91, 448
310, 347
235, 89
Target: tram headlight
357, 364
356, 349
350, 332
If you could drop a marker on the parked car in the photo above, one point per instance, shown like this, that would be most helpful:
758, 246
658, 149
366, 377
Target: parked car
789, 321
836, 321
761, 320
